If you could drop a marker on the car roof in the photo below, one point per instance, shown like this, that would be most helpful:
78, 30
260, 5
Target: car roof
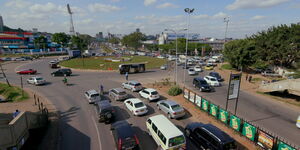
36, 77
170, 102
123, 129
210, 77
150, 90
167, 128
199, 78
119, 89
134, 82
134, 100
104, 104
92, 91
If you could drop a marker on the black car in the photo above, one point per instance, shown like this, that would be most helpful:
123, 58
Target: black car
216, 75
124, 136
27, 57
201, 84
62, 72
105, 111
207, 136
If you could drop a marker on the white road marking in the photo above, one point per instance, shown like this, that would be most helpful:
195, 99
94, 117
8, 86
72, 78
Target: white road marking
99, 140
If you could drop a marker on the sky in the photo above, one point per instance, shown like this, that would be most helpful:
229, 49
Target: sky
246, 17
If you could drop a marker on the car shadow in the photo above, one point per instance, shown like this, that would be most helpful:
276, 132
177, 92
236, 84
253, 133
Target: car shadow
74, 75
150, 110
70, 84
121, 114
146, 141
47, 83
186, 116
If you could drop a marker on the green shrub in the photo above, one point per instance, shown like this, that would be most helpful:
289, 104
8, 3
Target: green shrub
174, 91
227, 67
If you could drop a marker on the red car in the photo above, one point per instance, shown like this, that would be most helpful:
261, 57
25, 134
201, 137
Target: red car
27, 71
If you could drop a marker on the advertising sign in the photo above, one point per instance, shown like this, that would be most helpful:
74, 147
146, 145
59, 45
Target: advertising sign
284, 146
265, 140
205, 104
186, 93
223, 115
198, 100
213, 110
192, 97
235, 122
249, 131
234, 86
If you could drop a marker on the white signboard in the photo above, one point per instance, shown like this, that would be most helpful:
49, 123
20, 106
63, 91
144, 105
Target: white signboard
234, 86
192, 97
186, 93
198, 101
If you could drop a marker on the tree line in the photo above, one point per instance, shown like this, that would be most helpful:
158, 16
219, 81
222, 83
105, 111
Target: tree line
277, 46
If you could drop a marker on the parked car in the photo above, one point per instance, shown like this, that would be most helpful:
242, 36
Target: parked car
27, 57
270, 73
62, 72
124, 136
53, 64
191, 71
163, 67
132, 85
27, 71
92, 96
6, 58
105, 111
171, 108
201, 84
207, 136
118, 94
198, 69
36, 80
209, 67
19, 59
150, 94
212, 81
216, 75
136, 106
201, 63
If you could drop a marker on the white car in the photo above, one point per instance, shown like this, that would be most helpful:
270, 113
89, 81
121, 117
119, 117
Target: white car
212, 81
92, 96
36, 80
197, 68
191, 71
132, 85
150, 94
136, 106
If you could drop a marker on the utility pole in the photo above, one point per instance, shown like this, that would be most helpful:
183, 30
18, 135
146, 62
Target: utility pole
226, 20
22, 85
4, 75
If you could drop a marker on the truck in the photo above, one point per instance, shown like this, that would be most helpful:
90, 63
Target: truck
74, 53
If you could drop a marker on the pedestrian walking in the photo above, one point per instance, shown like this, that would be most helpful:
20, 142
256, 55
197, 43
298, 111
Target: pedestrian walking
101, 89
126, 76
16, 113
246, 77
250, 78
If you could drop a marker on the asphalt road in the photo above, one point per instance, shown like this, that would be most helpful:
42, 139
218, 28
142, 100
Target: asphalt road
79, 126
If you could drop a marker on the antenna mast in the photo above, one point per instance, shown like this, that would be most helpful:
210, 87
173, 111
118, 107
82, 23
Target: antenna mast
72, 31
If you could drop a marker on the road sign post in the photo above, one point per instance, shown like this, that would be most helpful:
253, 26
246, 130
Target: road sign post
234, 89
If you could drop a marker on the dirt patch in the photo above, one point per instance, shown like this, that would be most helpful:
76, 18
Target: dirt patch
198, 115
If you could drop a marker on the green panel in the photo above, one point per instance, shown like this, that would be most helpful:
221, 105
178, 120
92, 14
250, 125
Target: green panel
205, 104
213, 110
284, 146
223, 115
249, 131
235, 123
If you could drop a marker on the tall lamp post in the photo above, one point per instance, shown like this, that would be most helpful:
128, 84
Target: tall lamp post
226, 20
175, 70
188, 11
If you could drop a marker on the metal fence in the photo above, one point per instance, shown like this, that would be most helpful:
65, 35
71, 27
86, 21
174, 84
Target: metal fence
255, 134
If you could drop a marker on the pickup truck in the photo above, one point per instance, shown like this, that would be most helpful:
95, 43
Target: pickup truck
270, 73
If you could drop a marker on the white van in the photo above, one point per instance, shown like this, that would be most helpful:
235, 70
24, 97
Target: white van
165, 133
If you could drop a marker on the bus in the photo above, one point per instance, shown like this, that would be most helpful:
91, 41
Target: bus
132, 68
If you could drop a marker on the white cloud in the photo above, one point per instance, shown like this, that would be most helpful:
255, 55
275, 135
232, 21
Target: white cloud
115, 0
249, 4
17, 4
258, 17
149, 2
202, 16
98, 7
220, 15
43, 8
166, 5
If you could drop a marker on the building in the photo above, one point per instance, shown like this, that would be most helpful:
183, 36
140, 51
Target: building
171, 37
99, 36
1, 24
137, 30
215, 44
34, 30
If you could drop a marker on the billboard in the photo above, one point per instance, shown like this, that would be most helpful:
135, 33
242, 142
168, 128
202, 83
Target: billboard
235, 123
223, 115
249, 131
234, 86
205, 104
186, 93
284, 146
198, 100
192, 36
265, 140
192, 97
213, 110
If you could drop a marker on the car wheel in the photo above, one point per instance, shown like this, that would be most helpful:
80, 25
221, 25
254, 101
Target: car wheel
201, 89
169, 116
53, 75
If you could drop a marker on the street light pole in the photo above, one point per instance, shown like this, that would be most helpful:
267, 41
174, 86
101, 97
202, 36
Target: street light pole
188, 11
226, 20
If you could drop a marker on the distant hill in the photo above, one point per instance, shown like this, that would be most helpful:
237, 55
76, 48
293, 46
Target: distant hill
8, 29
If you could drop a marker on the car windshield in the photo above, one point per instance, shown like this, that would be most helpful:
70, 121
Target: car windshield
137, 84
138, 105
191, 70
95, 95
176, 107
203, 82
176, 141
229, 146
154, 93
39, 79
213, 79
122, 93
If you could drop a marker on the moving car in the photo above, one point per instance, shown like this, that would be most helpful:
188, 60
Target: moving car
92, 96
166, 135
163, 67
19, 59
209, 67
171, 108
136, 106
150, 94
201, 84
118, 94
27, 71
208, 136
132, 85
105, 111
212, 81
53, 64
191, 71
198, 68
36, 80
124, 136
216, 75
62, 72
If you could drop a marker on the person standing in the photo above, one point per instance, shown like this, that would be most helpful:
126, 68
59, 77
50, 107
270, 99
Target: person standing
246, 77
126, 76
101, 89
16, 113
250, 78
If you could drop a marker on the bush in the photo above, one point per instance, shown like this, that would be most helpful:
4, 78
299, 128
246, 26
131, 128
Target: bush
227, 67
174, 91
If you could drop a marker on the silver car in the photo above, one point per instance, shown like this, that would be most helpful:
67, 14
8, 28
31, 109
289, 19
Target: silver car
171, 108
118, 94
134, 86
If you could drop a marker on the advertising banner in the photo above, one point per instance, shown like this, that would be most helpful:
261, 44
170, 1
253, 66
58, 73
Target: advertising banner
235, 122
265, 140
249, 131
213, 110
284, 146
198, 101
205, 104
192, 97
223, 115
186, 93
234, 86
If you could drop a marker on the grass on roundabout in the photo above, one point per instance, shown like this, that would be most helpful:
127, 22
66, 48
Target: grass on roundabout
99, 63
12, 93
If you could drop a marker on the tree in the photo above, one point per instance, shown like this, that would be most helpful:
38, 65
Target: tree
114, 40
40, 42
134, 40
61, 38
